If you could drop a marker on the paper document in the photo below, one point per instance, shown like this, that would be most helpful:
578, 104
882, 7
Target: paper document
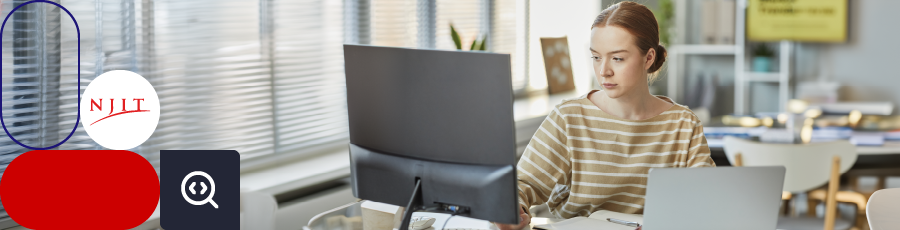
457, 222
596, 220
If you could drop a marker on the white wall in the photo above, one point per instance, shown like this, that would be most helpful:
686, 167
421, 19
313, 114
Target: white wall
554, 18
866, 65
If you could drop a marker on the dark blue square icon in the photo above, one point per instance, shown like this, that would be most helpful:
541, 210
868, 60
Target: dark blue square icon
199, 189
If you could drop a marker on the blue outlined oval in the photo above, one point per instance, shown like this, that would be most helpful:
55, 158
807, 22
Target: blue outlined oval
78, 118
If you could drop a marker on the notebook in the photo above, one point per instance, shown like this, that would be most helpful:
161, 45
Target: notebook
596, 220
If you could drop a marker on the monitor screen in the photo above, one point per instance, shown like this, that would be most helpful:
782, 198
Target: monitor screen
450, 106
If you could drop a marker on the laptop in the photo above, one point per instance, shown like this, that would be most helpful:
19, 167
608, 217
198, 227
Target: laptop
732, 198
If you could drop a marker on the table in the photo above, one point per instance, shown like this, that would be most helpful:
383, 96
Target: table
889, 147
343, 217
885, 156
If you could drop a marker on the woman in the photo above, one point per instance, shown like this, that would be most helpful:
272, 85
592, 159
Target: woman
594, 152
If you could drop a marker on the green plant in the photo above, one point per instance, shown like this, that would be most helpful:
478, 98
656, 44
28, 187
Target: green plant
476, 45
663, 18
762, 50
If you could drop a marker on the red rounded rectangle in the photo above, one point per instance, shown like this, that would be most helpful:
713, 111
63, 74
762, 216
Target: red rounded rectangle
95, 189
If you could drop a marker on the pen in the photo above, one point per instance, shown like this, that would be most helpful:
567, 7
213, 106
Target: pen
623, 222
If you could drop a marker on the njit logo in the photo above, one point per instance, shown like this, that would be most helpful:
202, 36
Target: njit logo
112, 108
126, 104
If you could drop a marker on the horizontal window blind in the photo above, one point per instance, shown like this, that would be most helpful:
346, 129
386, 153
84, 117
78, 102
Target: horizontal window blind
398, 23
260, 77
393, 22
508, 35
308, 74
107, 43
213, 82
467, 16
31, 73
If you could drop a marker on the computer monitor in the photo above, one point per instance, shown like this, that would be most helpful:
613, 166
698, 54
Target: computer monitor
432, 130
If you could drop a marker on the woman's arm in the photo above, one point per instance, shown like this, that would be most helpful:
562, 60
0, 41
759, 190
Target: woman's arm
698, 153
545, 163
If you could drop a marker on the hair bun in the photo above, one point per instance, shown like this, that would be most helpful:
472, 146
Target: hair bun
660, 58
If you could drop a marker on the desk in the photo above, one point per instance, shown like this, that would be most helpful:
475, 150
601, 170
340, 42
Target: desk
889, 147
342, 218
540, 104
885, 156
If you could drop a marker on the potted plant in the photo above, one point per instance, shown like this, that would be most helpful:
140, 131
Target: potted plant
476, 44
664, 15
762, 58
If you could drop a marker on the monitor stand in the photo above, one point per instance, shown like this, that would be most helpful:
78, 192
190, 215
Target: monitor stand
415, 204
478, 191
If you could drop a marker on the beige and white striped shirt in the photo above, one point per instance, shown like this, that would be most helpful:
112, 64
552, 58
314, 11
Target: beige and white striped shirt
582, 159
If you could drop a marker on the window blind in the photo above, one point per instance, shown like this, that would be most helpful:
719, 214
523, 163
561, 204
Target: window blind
308, 74
399, 23
260, 77
22, 101
31, 72
468, 18
508, 35
107, 43
393, 22
213, 82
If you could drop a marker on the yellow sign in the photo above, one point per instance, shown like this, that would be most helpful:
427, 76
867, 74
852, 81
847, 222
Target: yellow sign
799, 20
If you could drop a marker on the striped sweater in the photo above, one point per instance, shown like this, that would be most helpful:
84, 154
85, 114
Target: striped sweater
582, 159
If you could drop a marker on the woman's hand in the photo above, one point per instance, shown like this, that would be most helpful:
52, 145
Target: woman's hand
524, 220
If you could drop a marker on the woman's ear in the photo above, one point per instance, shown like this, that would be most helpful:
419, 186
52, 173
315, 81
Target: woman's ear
649, 59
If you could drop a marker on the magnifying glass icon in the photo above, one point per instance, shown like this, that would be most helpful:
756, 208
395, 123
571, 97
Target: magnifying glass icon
212, 185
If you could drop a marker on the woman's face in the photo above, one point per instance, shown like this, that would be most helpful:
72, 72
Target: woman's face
620, 67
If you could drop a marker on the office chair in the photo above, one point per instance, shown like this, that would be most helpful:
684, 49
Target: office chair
809, 166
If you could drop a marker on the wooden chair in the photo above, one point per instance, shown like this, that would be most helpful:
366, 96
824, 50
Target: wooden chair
808, 166
883, 209
881, 175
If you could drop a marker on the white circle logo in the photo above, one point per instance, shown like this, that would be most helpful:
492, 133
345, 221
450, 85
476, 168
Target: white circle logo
119, 110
